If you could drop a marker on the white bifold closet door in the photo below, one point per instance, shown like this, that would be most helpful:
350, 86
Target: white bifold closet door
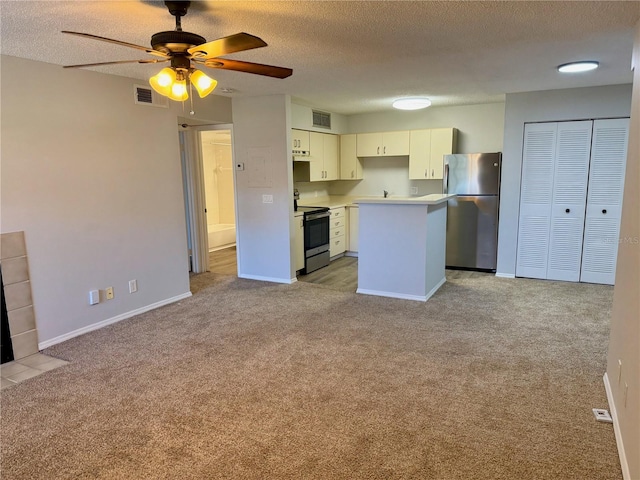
552, 200
604, 200
571, 174
535, 199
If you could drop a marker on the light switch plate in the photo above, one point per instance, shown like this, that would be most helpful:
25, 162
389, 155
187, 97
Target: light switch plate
94, 297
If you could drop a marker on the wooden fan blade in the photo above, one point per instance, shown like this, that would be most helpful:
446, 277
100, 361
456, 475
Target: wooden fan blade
116, 62
223, 46
248, 67
118, 42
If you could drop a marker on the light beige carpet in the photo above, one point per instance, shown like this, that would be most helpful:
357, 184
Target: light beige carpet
491, 379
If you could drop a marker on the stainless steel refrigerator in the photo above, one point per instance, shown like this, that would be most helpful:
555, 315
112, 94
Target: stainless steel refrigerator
472, 216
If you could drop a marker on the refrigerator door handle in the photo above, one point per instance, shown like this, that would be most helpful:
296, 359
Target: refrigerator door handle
445, 181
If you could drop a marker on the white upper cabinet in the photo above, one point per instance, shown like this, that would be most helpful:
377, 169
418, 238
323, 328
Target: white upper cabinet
427, 151
300, 142
350, 164
382, 144
331, 156
322, 162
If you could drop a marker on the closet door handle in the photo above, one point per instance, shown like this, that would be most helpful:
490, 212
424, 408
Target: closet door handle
604, 211
568, 210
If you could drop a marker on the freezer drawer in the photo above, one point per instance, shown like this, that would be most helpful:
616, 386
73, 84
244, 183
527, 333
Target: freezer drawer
472, 232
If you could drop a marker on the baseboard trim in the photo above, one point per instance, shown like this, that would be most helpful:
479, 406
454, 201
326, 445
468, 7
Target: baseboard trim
380, 293
404, 296
109, 321
266, 279
505, 275
626, 475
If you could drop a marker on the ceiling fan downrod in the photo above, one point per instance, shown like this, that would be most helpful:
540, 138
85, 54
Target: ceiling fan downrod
178, 10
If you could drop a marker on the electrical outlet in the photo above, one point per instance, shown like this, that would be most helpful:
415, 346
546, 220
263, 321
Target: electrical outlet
602, 415
267, 198
133, 286
109, 292
94, 297
414, 190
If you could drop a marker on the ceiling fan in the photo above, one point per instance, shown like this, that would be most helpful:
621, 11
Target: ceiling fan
185, 49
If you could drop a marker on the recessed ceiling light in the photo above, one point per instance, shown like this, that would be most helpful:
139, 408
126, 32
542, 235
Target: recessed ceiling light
576, 67
411, 103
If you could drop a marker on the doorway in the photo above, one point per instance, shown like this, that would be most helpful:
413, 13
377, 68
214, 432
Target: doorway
219, 192
210, 199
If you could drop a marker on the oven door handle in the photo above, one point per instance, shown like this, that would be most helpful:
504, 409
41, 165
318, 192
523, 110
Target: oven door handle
316, 216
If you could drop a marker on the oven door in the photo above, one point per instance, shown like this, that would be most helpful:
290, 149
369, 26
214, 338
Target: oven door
316, 233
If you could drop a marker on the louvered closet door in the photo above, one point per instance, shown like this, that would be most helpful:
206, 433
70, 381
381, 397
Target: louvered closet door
571, 172
604, 200
535, 199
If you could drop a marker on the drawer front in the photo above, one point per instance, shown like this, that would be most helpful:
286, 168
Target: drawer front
336, 232
336, 222
337, 213
337, 245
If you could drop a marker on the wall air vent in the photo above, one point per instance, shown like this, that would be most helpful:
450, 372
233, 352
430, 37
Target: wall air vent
321, 119
144, 95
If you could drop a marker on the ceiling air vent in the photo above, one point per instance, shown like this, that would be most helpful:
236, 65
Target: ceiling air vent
321, 119
144, 95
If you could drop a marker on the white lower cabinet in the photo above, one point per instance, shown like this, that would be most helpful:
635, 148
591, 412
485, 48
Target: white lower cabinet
570, 200
337, 227
353, 229
299, 242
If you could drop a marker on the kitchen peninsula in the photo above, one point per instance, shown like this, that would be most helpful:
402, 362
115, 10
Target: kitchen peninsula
402, 243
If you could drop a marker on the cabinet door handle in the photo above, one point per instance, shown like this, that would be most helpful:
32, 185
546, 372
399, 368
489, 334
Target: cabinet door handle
426, 172
604, 211
352, 174
378, 151
384, 150
568, 210
433, 173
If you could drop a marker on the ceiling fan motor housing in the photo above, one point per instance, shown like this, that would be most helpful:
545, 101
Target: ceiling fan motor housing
175, 42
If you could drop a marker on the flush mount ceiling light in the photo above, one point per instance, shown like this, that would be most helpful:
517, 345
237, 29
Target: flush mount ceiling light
577, 67
411, 103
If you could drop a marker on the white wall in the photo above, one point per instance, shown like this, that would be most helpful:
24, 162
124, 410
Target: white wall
302, 118
262, 142
95, 183
551, 105
624, 344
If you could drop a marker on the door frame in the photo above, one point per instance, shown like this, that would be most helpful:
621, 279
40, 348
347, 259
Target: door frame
195, 200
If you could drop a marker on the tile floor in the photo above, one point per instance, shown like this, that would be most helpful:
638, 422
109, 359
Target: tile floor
15, 372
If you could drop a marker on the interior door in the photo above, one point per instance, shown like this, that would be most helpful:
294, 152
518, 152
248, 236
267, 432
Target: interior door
571, 170
604, 200
536, 195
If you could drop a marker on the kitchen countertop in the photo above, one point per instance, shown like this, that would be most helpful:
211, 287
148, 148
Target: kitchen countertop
337, 201
433, 199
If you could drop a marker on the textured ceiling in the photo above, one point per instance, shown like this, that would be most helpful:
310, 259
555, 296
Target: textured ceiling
353, 56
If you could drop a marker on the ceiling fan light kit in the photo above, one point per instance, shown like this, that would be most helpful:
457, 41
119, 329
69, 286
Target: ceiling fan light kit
578, 67
182, 48
411, 103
